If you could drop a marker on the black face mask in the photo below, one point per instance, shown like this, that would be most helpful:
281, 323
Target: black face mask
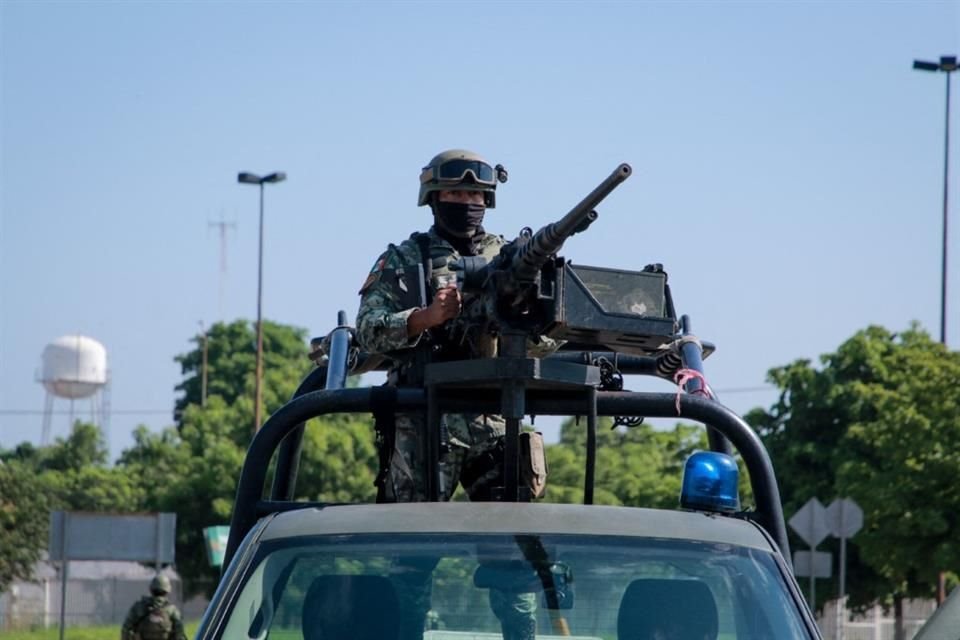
459, 219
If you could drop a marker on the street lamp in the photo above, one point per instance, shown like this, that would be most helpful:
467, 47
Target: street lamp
947, 64
249, 178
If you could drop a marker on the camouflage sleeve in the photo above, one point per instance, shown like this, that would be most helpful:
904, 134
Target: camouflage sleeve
177, 633
381, 322
134, 614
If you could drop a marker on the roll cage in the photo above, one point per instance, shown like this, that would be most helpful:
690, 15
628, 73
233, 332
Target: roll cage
573, 381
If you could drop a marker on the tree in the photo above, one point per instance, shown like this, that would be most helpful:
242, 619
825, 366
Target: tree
905, 450
156, 459
24, 453
340, 460
102, 489
71, 475
194, 469
880, 423
84, 447
231, 360
638, 466
24, 516
207, 463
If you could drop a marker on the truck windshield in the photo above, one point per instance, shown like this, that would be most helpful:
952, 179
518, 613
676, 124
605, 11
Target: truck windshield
478, 587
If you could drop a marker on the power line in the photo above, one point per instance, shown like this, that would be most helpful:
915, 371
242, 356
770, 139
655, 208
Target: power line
766, 387
35, 412
32, 412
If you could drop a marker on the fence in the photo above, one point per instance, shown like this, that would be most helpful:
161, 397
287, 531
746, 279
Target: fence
106, 601
101, 601
874, 624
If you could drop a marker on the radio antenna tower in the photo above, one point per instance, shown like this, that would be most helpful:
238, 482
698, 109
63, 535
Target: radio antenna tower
223, 227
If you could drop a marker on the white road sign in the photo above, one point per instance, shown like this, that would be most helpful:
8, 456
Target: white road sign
810, 523
845, 517
812, 563
143, 537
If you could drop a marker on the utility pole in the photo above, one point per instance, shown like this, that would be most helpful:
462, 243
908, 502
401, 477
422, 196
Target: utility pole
223, 227
203, 366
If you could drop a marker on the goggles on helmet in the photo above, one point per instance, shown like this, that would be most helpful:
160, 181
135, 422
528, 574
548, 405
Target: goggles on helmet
455, 171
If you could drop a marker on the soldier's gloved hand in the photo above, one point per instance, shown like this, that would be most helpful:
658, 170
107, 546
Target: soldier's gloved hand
446, 305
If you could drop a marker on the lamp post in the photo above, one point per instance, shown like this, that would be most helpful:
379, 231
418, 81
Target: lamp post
249, 178
947, 64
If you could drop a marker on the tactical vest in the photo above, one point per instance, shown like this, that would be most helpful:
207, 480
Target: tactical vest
157, 624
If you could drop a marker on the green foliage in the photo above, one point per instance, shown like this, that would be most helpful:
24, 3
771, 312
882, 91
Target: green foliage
639, 466
906, 454
879, 423
24, 452
23, 522
93, 489
194, 469
155, 459
197, 479
84, 447
70, 474
231, 360
340, 460
191, 469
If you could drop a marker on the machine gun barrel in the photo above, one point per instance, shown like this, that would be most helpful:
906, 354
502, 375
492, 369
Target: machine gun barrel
548, 240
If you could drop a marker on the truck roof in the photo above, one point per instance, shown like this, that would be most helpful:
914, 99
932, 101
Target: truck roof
514, 518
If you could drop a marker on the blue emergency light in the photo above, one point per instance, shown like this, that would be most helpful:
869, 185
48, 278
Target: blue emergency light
710, 482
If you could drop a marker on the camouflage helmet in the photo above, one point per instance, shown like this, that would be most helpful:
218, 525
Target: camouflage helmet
160, 585
460, 170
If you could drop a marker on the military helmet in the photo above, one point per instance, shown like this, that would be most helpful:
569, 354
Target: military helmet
460, 170
160, 585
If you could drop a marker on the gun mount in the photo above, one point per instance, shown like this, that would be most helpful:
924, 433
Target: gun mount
528, 291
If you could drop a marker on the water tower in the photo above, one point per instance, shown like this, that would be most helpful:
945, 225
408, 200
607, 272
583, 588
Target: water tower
75, 368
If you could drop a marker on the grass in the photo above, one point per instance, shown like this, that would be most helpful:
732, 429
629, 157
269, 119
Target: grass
105, 632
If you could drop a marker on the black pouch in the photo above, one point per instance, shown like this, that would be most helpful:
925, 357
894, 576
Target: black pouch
407, 284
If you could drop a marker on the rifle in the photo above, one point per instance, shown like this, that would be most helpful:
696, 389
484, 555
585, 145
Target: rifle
514, 290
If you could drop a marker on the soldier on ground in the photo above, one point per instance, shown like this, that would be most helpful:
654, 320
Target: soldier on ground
154, 617
458, 186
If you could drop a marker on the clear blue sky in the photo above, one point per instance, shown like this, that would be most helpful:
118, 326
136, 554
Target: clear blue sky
788, 166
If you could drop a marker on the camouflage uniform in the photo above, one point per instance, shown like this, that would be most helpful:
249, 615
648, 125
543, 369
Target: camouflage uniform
382, 329
153, 618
